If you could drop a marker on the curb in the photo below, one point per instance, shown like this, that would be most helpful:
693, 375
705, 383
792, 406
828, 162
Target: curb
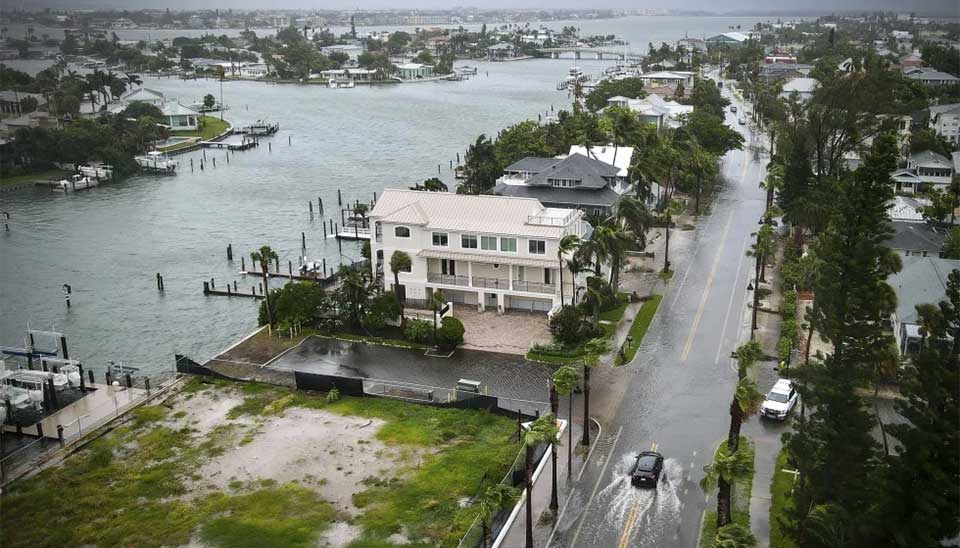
556, 522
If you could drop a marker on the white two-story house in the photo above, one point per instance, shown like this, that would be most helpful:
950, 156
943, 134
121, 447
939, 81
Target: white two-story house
496, 252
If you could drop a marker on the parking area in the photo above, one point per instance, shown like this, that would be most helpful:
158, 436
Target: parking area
512, 332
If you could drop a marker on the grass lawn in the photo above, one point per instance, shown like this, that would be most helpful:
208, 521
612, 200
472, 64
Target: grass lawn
38, 176
640, 324
211, 126
780, 490
615, 314
370, 339
136, 485
741, 501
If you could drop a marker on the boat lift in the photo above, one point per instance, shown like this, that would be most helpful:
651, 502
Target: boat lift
30, 350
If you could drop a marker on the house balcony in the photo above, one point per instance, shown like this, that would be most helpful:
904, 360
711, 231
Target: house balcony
534, 287
491, 283
448, 279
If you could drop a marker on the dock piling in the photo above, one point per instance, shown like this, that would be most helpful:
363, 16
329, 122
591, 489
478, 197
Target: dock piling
311, 210
109, 378
324, 231
320, 203
229, 252
276, 264
206, 288
339, 198
146, 384
261, 287
214, 162
60, 434
90, 374
289, 140
303, 240
234, 286
159, 283
6, 221
213, 285
270, 147
324, 267
204, 154
129, 381
243, 263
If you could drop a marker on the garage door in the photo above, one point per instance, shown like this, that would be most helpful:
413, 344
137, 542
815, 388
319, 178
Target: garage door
535, 305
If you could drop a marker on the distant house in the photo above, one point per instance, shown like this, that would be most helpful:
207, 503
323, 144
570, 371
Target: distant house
911, 60
945, 121
351, 50
358, 75
924, 170
907, 209
922, 281
573, 182
803, 87
414, 71
654, 109
501, 51
669, 77
692, 44
930, 76
143, 95
780, 57
10, 102
254, 70
784, 71
727, 38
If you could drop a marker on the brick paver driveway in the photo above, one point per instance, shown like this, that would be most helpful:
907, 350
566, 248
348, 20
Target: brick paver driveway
512, 332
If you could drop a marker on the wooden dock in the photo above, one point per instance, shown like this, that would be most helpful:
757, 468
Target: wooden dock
207, 291
245, 145
353, 233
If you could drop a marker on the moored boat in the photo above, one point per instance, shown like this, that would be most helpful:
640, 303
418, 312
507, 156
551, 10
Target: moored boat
157, 162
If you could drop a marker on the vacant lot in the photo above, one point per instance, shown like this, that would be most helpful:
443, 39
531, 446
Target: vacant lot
250, 465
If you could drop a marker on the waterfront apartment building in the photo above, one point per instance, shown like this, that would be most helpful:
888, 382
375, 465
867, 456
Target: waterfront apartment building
495, 252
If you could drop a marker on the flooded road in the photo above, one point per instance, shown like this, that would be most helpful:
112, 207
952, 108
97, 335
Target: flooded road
678, 387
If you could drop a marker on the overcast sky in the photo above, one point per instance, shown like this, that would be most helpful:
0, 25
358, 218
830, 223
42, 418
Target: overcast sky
943, 7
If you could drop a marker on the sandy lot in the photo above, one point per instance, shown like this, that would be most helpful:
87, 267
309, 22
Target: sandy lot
329, 453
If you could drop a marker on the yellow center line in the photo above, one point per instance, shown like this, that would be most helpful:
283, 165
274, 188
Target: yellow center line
631, 519
706, 290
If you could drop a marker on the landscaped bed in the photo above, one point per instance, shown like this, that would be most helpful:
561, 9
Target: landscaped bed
639, 327
251, 465
740, 511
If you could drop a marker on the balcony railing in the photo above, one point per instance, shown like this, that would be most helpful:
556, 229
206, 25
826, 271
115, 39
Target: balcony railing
491, 283
449, 279
534, 287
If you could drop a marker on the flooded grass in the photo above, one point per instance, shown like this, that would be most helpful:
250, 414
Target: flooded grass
781, 502
147, 483
640, 325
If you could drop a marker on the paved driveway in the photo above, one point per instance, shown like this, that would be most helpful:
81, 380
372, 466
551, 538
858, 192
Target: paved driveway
504, 375
512, 332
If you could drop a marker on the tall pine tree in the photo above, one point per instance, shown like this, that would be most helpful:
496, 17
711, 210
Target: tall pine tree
921, 494
833, 448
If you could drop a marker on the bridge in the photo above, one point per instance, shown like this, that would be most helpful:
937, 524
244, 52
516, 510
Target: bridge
578, 52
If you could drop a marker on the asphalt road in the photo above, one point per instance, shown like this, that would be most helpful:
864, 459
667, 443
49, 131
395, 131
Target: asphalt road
675, 395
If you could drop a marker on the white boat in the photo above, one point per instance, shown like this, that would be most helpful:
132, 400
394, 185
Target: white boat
18, 397
574, 76
29, 376
77, 182
341, 83
157, 162
259, 128
103, 172
467, 70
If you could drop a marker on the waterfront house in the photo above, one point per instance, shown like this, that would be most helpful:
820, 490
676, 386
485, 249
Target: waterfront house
922, 281
352, 50
945, 121
143, 95
358, 75
925, 170
803, 87
580, 180
501, 51
485, 251
414, 71
180, 117
254, 70
784, 71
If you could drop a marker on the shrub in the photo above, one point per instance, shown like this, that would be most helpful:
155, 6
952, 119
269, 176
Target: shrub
299, 303
450, 333
788, 308
387, 306
373, 321
333, 395
566, 325
418, 331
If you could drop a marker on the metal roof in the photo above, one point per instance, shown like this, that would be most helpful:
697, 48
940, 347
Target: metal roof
913, 236
922, 280
565, 197
531, 164
588, 173
469, 213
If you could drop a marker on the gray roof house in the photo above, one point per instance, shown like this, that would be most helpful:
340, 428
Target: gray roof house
912, 239
921, 281
926, 169
931, 76
574, 182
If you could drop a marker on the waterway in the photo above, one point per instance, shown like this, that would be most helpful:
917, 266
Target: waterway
108, 243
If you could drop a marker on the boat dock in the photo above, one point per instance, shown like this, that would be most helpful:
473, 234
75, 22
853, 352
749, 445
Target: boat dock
245, 143
353, 233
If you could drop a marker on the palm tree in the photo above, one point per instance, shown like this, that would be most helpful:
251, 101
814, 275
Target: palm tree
595, 294
492, 500
614, 239
592, 352
400, 261
726, 468
747, 398
564, 382
634, 215
541, 431
760, 250
734, 535
774, 181
133, 80
576, 265
568, 243
264, 256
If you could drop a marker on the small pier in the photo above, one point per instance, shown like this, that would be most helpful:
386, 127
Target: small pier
353, 233
232, 146
208, 290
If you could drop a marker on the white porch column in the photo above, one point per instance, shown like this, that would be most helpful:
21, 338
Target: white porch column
510, 274
470, 274
501, 303
481, 306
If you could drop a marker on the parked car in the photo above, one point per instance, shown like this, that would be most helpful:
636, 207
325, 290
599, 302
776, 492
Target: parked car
646, 470
733, 109
742, 121
779, 401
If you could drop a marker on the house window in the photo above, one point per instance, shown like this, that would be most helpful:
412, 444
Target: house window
448, 266
440, 239
401, 232
538, 247
468, 241
508, 244
488, 242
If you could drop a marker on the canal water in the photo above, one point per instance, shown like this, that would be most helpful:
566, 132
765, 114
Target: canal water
108, 243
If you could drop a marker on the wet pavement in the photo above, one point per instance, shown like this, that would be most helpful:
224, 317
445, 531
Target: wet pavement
503, 375
674, 395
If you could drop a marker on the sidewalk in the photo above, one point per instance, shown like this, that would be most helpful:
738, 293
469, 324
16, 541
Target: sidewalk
516, 536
